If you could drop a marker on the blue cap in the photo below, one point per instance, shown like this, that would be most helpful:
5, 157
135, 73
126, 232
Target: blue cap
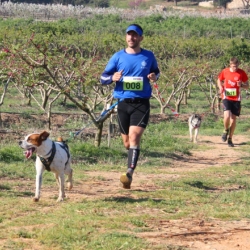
135, 29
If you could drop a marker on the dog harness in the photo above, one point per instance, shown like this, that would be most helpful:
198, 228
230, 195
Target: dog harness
47, 161
66, 148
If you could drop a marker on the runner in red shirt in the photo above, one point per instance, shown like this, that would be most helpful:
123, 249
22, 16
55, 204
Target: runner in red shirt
230, 81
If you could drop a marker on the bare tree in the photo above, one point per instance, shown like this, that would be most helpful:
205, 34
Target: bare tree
174, 88
209, 88
33, 85
68, 74
3, 89
6, 75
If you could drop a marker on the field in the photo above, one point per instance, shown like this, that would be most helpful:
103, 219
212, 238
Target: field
184, 196
194, 196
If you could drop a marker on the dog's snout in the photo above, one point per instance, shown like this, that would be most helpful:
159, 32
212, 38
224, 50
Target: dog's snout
20, 143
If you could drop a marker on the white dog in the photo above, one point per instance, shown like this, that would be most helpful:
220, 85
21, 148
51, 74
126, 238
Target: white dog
194, 123
50, 155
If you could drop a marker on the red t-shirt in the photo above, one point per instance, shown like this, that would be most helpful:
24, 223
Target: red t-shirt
231, 90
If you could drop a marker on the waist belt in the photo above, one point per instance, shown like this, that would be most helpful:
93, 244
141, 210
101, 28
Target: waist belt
135, 100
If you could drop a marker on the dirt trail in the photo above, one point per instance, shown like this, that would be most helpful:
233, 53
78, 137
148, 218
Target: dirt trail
193, 233
216, 154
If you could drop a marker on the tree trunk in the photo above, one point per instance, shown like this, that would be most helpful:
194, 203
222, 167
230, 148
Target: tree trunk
213, 104
109, 133
185, 98
28, 97
218, 103
98, 135
1, 122
64, 100
188, 92
45, 101
177, 106
162, 109
49, 119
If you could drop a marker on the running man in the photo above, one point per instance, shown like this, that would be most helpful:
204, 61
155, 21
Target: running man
132, 69
230, 81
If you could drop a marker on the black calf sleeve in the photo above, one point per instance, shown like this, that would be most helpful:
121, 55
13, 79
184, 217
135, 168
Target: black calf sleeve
133, 155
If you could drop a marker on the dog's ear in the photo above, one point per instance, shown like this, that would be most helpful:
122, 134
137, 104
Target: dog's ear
44, 135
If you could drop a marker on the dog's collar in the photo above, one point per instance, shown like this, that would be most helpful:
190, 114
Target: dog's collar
47, 161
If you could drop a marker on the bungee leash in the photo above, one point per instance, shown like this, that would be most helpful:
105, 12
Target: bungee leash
106, 112
102, 117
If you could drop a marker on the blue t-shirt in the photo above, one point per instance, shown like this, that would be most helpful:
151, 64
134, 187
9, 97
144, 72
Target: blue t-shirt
136, 67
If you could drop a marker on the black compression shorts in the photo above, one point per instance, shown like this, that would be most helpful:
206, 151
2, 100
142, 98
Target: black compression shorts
233, 106
133, 112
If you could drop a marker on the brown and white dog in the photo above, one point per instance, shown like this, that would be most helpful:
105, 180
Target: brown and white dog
50, 155
194, 123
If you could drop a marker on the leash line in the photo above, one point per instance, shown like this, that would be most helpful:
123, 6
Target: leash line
80, 131
102, 116
108, 111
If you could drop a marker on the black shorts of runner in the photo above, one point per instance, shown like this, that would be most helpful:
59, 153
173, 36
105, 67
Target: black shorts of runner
233, 106
133, 112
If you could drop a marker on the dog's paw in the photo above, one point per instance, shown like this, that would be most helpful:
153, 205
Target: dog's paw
35, 199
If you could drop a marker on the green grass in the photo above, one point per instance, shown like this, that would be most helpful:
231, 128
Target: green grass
114, 222
100, 224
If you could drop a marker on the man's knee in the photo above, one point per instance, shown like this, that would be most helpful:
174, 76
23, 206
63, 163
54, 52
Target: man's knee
126, 145
126, 142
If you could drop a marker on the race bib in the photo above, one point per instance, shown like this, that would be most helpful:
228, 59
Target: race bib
230, 92
133, 83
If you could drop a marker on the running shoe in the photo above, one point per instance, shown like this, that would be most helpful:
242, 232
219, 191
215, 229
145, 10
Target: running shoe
230, 143
126, 180
224, 135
